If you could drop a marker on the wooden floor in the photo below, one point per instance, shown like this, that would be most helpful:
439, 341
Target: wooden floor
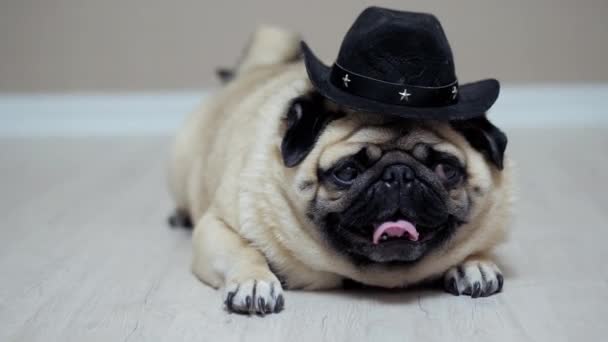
85, 255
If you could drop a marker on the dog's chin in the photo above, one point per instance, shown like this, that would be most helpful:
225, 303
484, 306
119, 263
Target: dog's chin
359, 244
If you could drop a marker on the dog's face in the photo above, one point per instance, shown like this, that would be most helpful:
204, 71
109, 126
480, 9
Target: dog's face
387, 190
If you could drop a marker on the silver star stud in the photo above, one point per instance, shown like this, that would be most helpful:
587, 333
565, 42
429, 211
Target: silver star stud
405, 95
454, 92
345, 79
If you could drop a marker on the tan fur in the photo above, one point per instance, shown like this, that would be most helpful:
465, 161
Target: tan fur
248, 209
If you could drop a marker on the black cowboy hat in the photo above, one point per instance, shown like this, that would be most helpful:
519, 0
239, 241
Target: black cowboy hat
399, 63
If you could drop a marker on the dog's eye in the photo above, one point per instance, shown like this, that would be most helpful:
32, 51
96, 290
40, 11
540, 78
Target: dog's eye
346, 173
449, 174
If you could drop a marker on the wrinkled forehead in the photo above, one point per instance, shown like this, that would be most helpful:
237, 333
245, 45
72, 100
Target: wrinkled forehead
349, 135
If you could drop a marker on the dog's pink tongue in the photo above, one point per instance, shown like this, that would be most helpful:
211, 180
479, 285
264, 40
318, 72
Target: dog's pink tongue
396, 228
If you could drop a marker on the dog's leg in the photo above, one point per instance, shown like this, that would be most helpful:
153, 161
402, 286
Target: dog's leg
477, 276
267, 46
223, 258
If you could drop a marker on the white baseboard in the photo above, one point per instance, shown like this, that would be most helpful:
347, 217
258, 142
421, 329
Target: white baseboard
162, 113
95, 114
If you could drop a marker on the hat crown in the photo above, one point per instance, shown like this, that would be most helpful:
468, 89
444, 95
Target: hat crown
398, 47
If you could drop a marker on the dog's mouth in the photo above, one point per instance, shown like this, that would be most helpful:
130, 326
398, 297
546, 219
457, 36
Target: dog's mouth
391, 239
391, 230
401, 230
395, 231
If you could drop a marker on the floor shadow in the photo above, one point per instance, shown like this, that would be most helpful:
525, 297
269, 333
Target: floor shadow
389, 296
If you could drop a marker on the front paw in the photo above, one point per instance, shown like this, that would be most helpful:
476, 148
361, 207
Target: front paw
254, 296
474, 278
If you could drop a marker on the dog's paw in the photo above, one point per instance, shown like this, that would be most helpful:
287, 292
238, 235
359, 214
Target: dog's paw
474, 278
254, 297
181, 219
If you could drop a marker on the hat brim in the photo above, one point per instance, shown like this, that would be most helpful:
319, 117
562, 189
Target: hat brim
474, 99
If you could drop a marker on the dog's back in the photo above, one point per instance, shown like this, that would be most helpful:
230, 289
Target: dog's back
213, 141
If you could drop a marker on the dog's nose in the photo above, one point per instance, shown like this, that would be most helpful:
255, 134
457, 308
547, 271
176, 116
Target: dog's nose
398, 173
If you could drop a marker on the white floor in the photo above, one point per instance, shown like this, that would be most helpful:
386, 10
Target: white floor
85, 255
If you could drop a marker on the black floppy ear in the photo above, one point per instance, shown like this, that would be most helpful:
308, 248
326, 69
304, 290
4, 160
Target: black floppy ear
484, 137
306, 118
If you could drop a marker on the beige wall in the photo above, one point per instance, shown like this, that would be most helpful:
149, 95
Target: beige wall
114, 45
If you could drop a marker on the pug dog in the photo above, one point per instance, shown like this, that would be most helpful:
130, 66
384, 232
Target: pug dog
289, 190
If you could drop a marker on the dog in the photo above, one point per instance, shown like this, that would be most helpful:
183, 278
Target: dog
288, 190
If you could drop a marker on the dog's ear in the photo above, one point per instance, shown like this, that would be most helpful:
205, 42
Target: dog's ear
305, 120
484, 137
